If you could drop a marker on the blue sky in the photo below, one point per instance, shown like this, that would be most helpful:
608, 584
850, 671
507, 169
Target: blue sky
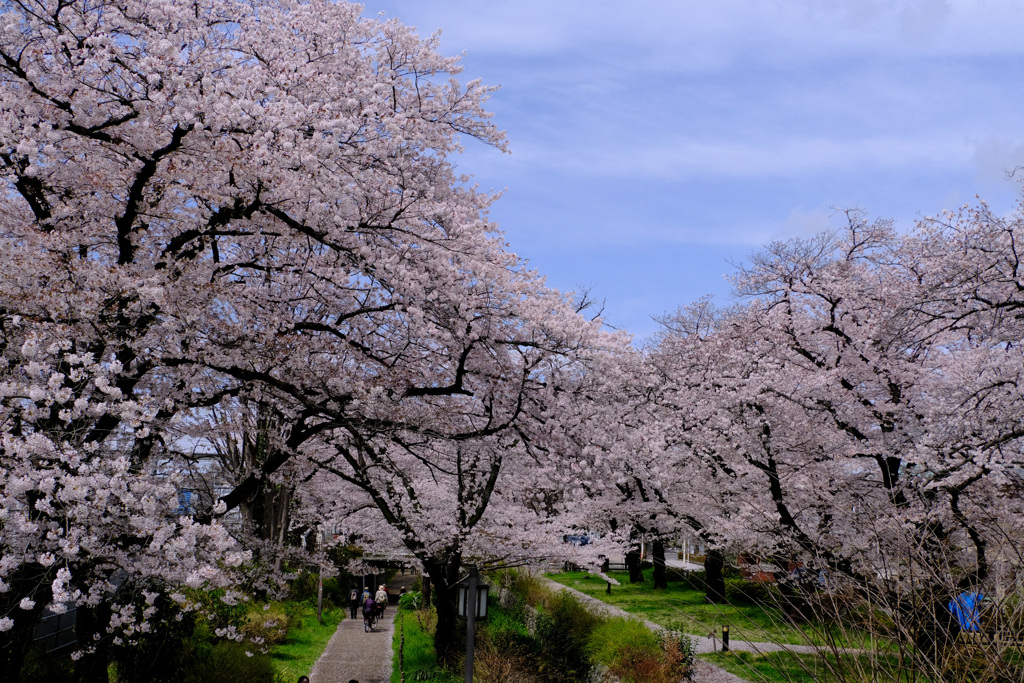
655, 143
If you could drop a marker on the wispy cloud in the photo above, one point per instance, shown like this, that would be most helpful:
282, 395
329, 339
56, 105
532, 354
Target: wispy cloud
647, 135
809, 27
683, 159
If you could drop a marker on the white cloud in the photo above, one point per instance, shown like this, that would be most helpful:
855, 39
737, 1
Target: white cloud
692, 29
645, 128
686, 158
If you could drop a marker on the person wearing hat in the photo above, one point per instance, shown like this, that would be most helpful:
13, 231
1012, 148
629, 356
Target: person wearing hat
381, 599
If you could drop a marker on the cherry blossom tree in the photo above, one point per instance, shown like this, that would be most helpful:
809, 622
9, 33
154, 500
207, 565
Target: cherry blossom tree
226, 203
86, 521
862, 411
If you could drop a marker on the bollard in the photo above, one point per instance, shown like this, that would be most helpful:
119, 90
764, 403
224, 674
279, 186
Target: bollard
725, 639
608, 590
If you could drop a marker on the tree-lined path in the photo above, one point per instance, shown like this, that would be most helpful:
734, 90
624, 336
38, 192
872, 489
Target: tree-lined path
351, 653
355, 654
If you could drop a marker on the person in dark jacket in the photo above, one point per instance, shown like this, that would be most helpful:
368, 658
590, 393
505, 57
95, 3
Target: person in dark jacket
369, 613
353, 602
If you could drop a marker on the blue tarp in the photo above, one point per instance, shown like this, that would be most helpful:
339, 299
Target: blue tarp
965, 608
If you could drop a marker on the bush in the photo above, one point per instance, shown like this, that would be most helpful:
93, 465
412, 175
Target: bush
303, 588
266, 625
506, 651
508, 633
158, 655
633, 653
524, 584
42, 665
563, 630
410, 601
679, 653
611, 638
495, 665
744, 590
228, 662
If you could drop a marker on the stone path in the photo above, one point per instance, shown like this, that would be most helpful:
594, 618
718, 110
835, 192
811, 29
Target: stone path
352, 654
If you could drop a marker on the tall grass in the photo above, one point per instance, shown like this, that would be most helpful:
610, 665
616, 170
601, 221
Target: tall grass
413, 644
570, 643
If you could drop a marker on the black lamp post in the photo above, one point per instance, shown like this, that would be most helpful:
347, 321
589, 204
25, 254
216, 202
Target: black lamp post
472, 604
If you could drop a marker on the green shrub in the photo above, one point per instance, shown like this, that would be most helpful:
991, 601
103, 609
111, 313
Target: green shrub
303, 588
228, 662
411, 601
42, 665
507, 631
563, 629
744, 590
634, 654
211, 606
524, 584
266, 625
678, 651
610, 638
156, 656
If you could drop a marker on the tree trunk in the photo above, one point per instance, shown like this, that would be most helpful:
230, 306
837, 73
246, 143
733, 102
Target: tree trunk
446, 637
276, 512
660, 579
426, 590
443, 576
93, 665
794, 601
714, 564
936, 628
633, 559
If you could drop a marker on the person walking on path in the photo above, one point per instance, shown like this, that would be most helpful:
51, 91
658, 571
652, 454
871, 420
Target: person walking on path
382, 599
353, 602
355, 654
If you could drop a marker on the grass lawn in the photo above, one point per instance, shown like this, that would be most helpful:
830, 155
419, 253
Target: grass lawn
777, 667
305, 642
683, 608
788, 667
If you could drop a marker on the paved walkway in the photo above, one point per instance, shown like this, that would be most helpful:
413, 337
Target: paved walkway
352, 654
